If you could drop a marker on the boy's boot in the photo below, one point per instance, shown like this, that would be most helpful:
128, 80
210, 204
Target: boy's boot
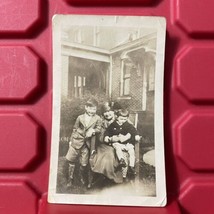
71, 168
125, 180
82, 174
132, 170
122, 163
90, 178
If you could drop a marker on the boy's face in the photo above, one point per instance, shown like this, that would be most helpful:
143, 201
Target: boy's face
91, 110
121, 120
108, 115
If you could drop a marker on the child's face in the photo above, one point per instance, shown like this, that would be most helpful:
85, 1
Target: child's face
108, 115
91, 110
121, 120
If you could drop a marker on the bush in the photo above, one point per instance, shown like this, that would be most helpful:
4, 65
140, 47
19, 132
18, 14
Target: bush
71, 109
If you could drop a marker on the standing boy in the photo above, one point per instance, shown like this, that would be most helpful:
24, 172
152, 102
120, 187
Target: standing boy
85, 129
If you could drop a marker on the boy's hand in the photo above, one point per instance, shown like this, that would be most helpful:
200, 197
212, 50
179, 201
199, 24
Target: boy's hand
89, 133
107, 139
115, 138
93, 152
69, 143
137, 137
75, 134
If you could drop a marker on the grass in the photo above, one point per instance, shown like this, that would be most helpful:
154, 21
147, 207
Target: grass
146, 178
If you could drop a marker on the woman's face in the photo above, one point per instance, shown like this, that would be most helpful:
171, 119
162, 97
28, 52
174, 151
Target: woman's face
108, 115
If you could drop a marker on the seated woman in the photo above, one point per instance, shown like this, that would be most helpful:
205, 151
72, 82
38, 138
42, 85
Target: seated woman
104, 161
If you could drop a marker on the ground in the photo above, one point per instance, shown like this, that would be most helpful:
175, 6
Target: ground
143, 184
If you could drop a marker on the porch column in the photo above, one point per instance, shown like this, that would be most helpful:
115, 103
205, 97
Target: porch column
110, 77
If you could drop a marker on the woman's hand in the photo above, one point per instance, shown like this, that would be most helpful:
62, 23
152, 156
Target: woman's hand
112, 139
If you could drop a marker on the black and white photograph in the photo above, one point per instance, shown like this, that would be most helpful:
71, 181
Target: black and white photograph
107, 126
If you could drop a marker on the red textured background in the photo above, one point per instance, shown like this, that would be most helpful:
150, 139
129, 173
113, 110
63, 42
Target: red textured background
26, 92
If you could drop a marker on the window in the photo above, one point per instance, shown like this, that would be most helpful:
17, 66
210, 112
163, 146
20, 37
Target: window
75, 86
126, 78
79, 84
84, 81
151, 78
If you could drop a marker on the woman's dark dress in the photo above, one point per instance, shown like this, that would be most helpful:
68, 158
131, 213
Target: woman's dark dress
105, 161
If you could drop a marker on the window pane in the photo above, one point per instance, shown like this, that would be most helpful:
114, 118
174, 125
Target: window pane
75, 81
127, 70
151, 79
126, 89
80, 92
79, 81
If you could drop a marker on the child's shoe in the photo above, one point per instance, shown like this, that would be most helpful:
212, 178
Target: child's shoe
125, 180
69, 183
122, 163
132, 170
82, 175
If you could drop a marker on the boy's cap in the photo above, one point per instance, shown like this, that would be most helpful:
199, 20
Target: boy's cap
92, 102
123, 112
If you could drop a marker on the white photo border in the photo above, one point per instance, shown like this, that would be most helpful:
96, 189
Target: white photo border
143, 21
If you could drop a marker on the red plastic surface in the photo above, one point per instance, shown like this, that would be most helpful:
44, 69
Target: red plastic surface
19, 72
25, 102
19, 16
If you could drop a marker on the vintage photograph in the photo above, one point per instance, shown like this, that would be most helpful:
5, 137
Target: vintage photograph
107, 135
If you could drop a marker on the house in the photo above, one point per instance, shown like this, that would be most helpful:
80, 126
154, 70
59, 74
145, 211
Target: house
117, 62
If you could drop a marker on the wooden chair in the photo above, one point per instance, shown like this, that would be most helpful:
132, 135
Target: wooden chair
133, 118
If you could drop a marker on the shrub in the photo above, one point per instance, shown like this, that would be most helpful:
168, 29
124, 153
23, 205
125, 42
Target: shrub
71, 108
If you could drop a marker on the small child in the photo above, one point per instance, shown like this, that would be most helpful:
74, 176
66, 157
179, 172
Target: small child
122, 135
85, 128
